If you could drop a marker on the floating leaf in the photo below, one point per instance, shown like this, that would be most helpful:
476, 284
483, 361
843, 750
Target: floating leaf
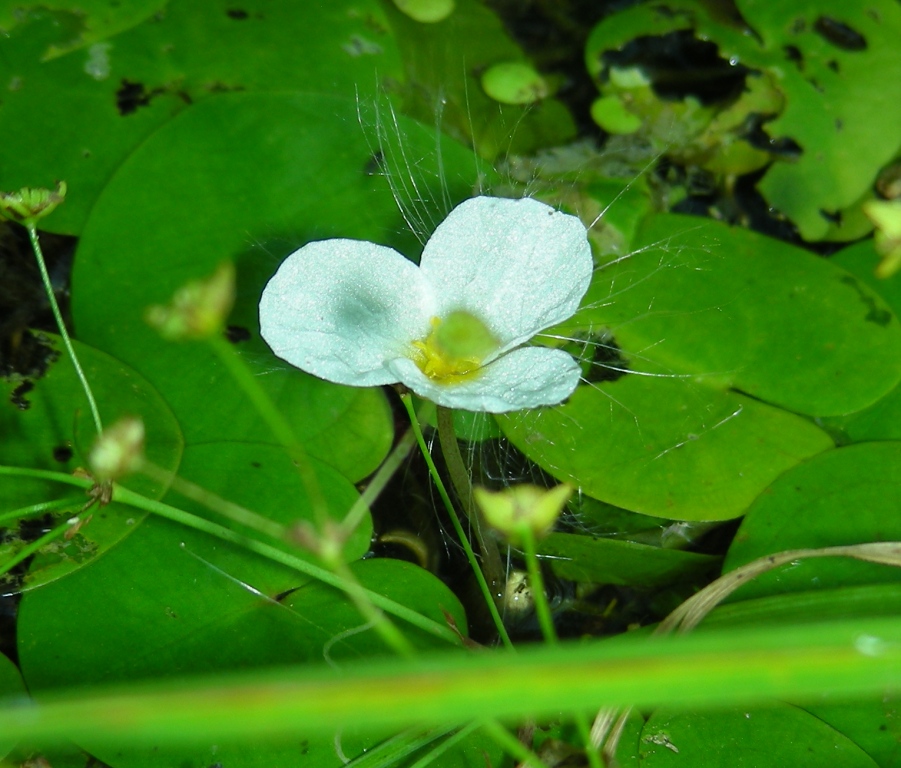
92, 21
698, 314
515, 82
743, 311
846, 496
872, 724
611, 114
772, 735
52, 429
881, 420
263, 479
113, 95
665, 447
426, 11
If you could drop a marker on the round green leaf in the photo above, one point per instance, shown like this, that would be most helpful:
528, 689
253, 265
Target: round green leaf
881, 420
861, 260
514, 82
667, 447
776, 735
743, 311
112, 95
872, 724
50, 427
230, 590
93, 20
613, 116
845, 496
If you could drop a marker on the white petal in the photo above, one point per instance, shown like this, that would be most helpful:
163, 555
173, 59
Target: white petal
340, 309
519, 265
528, 377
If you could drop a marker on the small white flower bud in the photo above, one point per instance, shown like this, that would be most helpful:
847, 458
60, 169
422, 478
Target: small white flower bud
118, 450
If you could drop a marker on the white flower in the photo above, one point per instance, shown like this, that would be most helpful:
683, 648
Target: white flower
452, 329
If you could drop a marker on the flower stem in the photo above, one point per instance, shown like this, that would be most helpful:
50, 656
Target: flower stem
61, 325
275, 421
39, 509
132, 499
536, 583
47, 474
378, 482
450, 448
458, 527
359, 596
524, 756
546, 622
33, 546
228, 509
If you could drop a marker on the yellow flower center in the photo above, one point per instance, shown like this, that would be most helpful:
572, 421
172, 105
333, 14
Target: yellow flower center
455, 348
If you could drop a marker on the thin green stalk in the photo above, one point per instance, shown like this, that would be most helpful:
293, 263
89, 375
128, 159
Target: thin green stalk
131, 498
738, 666
458, 527
29, 549
279, 426
392, 636
525, 757
41, 508
536, 583
548, 631
61, 325
125, 496
228, 509
378, 482
275, 421
444, 746
243, 516
47, 474
450, 448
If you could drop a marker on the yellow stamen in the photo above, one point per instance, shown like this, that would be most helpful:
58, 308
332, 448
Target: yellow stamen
455, 348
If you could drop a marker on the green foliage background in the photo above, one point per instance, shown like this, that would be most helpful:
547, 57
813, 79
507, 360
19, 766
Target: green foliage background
761, 384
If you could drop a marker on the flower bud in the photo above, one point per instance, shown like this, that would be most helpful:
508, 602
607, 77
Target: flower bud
118, 450
199, 309
886, 216
520, 508
28, 205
